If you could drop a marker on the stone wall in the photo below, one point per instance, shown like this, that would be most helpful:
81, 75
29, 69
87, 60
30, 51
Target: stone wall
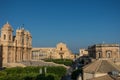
104, 51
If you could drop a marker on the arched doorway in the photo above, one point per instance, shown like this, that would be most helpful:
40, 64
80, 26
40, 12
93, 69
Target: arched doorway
99, 54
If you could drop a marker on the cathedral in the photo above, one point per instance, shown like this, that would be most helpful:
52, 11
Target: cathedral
14, 48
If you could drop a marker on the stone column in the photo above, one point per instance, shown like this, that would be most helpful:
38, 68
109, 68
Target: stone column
21, 54
14, 54
5, 54
13, 57
18, 54
29, 54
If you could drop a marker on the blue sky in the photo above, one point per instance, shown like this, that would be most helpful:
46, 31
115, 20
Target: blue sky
78, 23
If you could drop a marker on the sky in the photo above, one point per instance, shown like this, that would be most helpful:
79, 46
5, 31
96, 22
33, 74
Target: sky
78, 23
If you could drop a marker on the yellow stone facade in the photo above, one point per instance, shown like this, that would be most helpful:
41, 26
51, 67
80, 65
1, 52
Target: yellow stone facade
59, 52
104, 51
83, 52
15, 48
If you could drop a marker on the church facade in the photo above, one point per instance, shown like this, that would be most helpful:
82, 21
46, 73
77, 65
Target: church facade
14, 48
61, 51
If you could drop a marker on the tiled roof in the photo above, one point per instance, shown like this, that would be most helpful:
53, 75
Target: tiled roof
105, 77
101, 66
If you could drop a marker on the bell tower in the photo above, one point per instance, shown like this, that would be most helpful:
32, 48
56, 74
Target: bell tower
7, 33
6, 41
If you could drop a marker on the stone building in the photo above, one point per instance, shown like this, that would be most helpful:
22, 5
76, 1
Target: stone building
101, 70
59, 52
83, 52
104, 51
42, 53
14, 48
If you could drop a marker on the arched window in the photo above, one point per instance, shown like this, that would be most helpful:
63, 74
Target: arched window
9, 37
4, 37
108, 54
99, 54
61, 49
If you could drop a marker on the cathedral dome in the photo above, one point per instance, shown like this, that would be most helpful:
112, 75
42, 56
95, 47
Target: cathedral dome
7, 26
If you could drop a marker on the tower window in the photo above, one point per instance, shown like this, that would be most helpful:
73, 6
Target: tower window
4, 37
9, 37
60, 49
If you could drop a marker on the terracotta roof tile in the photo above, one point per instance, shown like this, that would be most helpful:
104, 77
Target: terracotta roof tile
105, 77
101, 66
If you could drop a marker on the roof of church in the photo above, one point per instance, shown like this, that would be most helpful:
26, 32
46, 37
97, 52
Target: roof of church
101, 66
7, 26
105, 77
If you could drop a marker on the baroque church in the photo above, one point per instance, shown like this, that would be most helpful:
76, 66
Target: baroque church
14, 48
61, 51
